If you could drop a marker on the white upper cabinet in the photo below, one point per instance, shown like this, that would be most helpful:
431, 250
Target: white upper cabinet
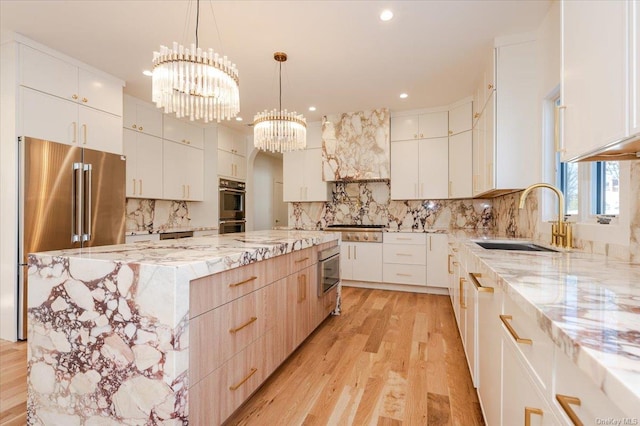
460, 118
635, 68
419, 169
231, 141
183, 177
595, 75
144, 165
404, 170
460, 164
422, 126
182, 132
141, 116
302, 172
46, 73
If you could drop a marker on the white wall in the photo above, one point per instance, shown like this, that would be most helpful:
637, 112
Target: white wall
8, 193
267, 169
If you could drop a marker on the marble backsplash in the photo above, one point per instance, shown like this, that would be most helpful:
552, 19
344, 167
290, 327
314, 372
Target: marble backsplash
149, 215
355, 146
369, 203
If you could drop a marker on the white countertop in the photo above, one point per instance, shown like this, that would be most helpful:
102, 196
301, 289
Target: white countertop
587, 304
165, 230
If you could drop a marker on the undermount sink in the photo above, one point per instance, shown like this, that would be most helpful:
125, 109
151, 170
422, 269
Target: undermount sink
511, 245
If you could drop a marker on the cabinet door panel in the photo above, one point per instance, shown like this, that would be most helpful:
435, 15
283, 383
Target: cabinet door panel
635, 68
195, 135
129, 142
48, 117
98, 92
174, 186
225, 164
437, 275
434, 125
316, 188
367, 261
293, 173
434, 168
100, 130
241, 167
594, 89
460, 165
195, 173
150, 118
404, 170
43, 72
173, 129
404, 128
460, 119
150, 166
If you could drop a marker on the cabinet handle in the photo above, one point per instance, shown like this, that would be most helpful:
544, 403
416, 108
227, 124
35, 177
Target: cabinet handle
505, 320
302, 260
404, 254
348, 252
140, 128
415, 136
403, 239
490, 86
188, 191
84, 134
248, 280
134, 186
403, 275
140, 186
85, 100
302, 288
429, 242
355, 252
455, 263
421, 135
528, 411
556, 128
564, 401
74, 96
142, 241
134, 126
246, 324
450, 132
449, 264
462, 304
453, 249
75, 132
474, 279
241, 382
476, 115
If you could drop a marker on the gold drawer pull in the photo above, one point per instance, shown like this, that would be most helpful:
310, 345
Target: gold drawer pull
455, 250
235, 330
474, 279
403, 239
528, 411
505, 320
302, 288
462, 305
243, 282
304, 259
405, 254
564, 401
403, 275
142, 241
449, 264
241, 382
455, 263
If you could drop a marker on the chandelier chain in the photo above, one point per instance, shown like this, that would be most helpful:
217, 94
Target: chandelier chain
197, 20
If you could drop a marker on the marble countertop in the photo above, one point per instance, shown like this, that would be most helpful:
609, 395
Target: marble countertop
166, 230
587, 304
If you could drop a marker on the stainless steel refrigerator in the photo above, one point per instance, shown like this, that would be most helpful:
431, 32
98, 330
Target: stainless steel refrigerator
70, 197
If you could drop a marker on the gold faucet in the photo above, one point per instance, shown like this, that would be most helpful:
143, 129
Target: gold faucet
561, 233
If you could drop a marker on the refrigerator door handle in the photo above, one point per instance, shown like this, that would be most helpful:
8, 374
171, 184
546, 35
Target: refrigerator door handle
76, 215
87, 171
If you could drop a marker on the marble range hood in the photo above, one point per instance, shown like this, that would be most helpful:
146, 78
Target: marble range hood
356, 146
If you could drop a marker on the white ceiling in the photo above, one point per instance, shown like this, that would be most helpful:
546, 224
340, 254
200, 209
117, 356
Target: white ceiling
341, 56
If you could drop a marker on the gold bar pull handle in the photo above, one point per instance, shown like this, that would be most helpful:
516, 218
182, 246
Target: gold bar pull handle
84, 134
449, 264
474, 279
505, 320
304, 259
241, 382
75, 132
565, 401
528, 411
246, 324
248, 280
134, 186
462, 304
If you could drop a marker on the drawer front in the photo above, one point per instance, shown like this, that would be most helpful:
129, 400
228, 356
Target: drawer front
141, 238
219, 334
404, 274
209, 292
570, 381
404, 253
405, 238
216, 397
303, 258
538, 353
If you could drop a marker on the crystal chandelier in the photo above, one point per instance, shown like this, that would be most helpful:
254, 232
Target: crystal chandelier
278, 130
195, 83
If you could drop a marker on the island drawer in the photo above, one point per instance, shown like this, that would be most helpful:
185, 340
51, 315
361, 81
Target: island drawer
220, 393
209, 292
220, 333
303, 258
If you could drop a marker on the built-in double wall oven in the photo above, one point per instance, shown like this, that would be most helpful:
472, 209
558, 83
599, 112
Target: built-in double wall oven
232, 206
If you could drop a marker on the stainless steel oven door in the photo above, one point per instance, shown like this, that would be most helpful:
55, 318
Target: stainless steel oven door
231, 204
231, 226
328, 269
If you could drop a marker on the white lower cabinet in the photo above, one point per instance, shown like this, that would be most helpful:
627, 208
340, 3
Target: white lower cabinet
522, 402
404, 259
437, 260
361, 261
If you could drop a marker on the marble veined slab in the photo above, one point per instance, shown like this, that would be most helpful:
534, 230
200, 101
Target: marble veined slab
587, 304
356, 145
108, 327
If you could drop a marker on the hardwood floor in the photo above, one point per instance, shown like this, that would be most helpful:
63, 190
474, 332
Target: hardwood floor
13, 383
390, 359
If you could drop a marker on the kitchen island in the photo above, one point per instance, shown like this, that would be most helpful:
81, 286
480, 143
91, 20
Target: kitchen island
155, 333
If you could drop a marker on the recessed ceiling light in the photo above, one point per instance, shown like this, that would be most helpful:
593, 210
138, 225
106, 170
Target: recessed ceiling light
312, 108
386, 15
238, 118
147, 73
403, 96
